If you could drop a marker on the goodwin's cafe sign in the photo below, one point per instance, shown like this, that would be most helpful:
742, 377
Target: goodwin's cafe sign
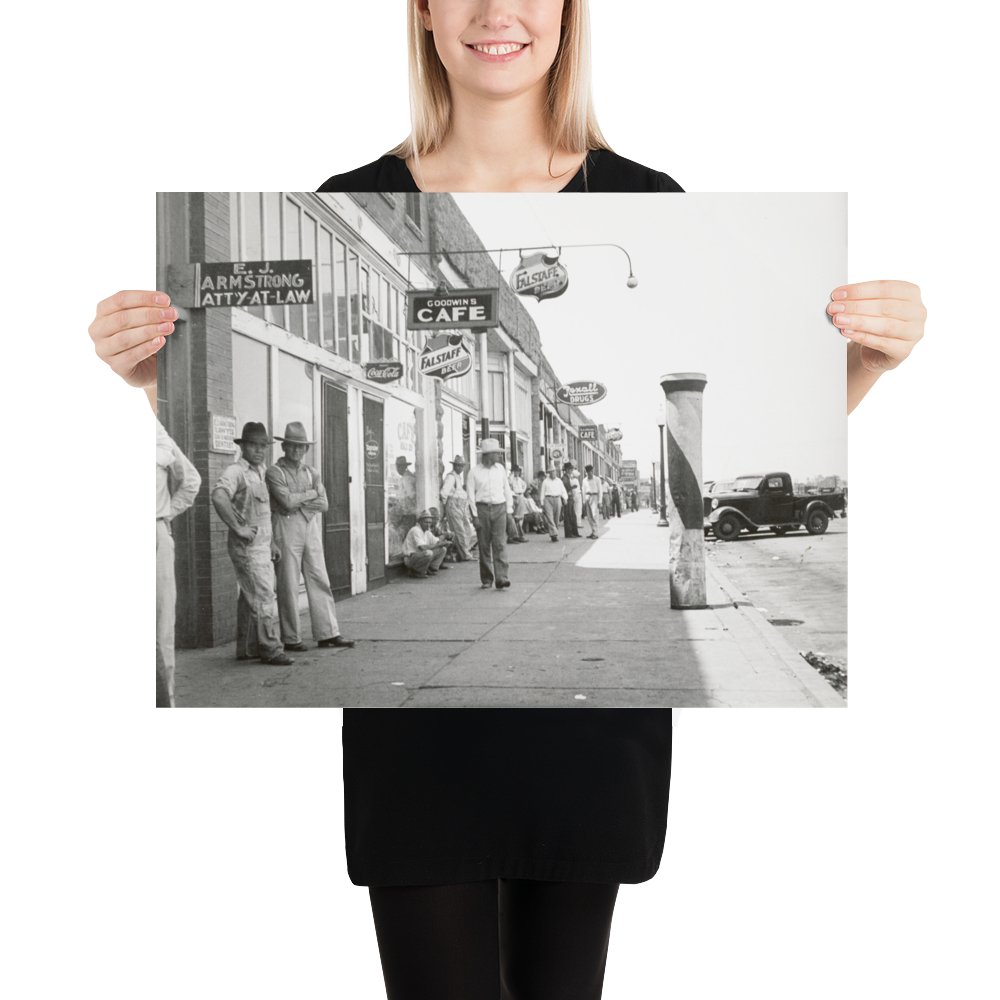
456, 310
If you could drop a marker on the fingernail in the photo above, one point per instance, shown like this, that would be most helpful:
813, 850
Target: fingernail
161, 300
159, 342
842, 320
840, 293
165, 327
836, 307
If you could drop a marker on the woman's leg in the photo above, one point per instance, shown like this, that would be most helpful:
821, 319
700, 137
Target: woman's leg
554, 939
438, 941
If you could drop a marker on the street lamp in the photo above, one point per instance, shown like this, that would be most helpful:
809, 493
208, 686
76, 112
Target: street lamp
661, 422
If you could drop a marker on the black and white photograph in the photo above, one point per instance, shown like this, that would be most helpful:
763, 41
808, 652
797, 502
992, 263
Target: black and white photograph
435, 450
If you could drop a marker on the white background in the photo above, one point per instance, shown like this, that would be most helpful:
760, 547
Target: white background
200, 853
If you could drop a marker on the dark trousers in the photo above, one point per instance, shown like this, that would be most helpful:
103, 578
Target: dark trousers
506, 939
492, 533
570, 527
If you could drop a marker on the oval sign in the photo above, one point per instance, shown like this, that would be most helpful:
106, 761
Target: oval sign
445, 356
581, 393
383, 371
541, 275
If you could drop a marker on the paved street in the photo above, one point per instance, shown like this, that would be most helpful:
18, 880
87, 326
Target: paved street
583, 624
798, 582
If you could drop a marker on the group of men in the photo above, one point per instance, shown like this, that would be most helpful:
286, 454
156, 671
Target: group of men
275, 538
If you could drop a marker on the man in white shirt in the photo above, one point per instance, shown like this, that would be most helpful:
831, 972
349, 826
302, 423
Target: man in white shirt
490, 502
177, 484
552, 495
423, 551
591, 499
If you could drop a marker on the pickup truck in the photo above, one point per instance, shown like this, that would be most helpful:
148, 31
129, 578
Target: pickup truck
769, 501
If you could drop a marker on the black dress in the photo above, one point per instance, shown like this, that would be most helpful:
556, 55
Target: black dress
436, 796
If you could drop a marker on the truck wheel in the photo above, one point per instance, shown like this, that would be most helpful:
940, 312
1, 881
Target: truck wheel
817, 522
727, 528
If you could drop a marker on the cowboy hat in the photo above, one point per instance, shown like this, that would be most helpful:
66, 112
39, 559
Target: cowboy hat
458, 460
253, 430
490, 446
425, 514
295, 433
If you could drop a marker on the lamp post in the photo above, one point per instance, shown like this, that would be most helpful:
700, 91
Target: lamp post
661, 423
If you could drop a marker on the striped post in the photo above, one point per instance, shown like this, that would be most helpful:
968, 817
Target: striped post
684, 392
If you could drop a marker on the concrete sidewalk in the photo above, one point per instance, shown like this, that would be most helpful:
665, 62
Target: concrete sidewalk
584, 623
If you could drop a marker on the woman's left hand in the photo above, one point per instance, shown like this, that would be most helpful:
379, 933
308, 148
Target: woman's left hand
885, 318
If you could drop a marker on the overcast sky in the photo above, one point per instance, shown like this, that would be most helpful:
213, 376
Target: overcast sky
730, 285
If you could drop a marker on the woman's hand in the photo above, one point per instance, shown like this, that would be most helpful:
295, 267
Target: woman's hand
128, 330
884, 318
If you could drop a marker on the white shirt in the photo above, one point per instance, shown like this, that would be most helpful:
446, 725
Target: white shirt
452, 486
552, 488
489, 485
592, 486
416, 537
177, 480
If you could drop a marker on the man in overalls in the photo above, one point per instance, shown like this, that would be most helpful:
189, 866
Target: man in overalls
299, 499
241, 499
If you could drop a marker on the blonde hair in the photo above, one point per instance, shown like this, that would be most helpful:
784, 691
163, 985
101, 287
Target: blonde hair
571, 122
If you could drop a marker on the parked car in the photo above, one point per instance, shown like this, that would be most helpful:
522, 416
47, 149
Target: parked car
768, 501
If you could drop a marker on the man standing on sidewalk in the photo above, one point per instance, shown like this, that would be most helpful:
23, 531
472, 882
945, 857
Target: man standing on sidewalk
241, 499
456, 508
517, 488
552, 497
570, 528
592, 499
490, 502
298, 498
177, 484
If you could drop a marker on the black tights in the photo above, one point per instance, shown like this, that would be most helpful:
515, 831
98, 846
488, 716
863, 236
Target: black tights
506, 939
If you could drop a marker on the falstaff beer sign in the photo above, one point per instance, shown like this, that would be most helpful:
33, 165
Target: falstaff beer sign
457, 310
445, 356
254, 283
383, 372
541, 275
613, 434
581, 393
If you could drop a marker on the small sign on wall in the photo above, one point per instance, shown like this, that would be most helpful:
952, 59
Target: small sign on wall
223, 433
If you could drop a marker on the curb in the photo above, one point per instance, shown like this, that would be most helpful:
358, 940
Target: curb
817, 689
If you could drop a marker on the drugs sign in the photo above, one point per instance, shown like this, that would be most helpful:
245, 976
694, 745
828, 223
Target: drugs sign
445, 356
254, 283
588, 432
383, 372
458, 310
541, 275
581, 393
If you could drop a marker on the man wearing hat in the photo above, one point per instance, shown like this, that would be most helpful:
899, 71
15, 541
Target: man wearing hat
553, 497
570, 528
490, 502
423, 551
298, 497
592, 501
456, 508
517, 487
241, 499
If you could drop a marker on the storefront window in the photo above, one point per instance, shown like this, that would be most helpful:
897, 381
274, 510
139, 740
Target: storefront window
401, 451
309, 249
250, 383
292, 250
497, 409
353, 280
272, 248
326, 289
295, 398
253, 237
340, 292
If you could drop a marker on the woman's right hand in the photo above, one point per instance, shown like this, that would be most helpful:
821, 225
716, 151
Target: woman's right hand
128, 330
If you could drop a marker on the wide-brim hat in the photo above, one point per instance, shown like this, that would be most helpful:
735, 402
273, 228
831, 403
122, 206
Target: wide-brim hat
295, 433
567, 465
403, 458
425, 513
490, 446
256, 430
458, 460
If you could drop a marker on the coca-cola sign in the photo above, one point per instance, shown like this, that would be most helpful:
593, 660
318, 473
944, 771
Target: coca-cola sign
384, 371
541, 275
581, 393
445, 356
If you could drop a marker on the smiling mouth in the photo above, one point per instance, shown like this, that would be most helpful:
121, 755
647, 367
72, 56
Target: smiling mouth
503, 49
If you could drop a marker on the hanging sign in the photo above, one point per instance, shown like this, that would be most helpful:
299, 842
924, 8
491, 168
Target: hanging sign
383, 371
445, 356
629, 472
541, 275
588, 432
254, 283
613, 434
581, 393
457, 310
